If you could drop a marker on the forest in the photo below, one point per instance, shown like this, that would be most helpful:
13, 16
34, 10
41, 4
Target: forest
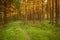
29, 19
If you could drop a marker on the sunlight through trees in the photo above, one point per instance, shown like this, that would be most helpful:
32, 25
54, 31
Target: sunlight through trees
30, 10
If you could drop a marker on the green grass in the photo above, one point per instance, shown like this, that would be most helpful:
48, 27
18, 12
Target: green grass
12, 32
39, 31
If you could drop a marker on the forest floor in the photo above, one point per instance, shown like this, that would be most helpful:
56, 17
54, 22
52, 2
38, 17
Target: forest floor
16, 30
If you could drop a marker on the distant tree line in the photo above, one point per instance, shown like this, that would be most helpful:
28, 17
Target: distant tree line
30, 10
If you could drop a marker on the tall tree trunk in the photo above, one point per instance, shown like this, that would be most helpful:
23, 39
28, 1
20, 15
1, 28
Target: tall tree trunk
26, 13
52, 14
42, 10
33, 12
47, 9
5, 18
57, 12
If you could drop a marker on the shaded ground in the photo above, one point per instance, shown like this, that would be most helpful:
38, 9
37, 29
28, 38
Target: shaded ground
39, 31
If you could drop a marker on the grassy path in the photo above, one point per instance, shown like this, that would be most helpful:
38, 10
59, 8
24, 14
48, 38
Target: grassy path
19, 27
17, 31
25, 33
